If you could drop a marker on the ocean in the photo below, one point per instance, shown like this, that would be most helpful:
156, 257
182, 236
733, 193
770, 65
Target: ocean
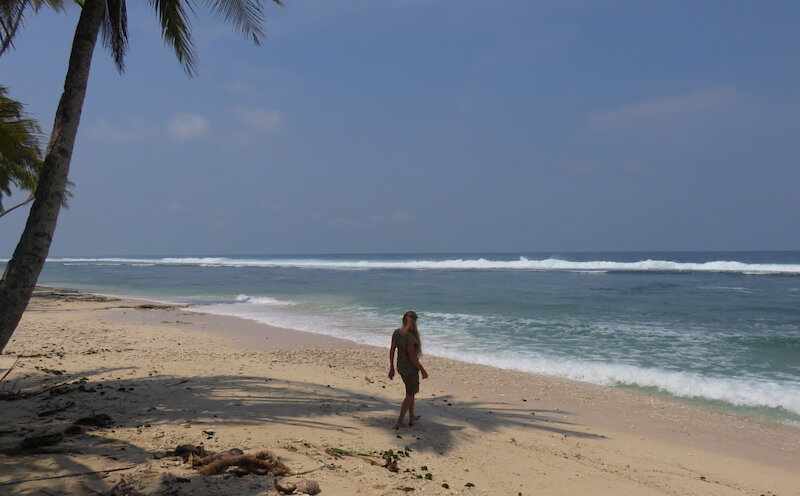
717, 329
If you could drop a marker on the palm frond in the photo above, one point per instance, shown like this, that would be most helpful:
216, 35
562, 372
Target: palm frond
175, 28
246, 16
20, 146
12, 16
115, 31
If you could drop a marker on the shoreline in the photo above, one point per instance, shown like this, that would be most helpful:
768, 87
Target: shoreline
252, 327
334, 393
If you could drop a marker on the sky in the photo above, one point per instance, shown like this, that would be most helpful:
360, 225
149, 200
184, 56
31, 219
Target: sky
432, 126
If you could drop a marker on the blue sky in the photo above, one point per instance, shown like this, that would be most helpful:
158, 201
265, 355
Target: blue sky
433, 125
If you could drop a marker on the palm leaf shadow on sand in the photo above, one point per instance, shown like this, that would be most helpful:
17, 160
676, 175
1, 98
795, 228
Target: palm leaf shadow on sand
227, 400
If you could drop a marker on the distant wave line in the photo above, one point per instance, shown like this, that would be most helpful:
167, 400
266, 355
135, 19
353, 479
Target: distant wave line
550, 264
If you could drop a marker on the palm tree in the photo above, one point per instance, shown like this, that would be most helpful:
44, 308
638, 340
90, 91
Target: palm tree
20, 149
22, 271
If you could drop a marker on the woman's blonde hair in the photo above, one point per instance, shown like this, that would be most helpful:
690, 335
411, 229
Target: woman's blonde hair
410, 325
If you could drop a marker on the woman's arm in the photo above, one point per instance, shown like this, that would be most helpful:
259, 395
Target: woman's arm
391, 358
412, 355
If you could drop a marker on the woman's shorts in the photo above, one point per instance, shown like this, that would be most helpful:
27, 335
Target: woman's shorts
412, 382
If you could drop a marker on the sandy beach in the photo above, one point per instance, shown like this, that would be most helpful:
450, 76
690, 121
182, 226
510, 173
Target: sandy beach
167, 377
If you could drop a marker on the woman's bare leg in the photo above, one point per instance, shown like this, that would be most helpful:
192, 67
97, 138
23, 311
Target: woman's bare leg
411, 417
408, 403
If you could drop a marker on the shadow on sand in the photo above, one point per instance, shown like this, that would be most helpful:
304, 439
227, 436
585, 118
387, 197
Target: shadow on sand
219, 400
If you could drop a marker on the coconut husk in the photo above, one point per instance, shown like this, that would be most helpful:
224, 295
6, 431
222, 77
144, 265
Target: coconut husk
287, 489
307, 486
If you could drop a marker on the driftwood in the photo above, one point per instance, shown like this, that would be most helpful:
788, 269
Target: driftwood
262, 463
208, 460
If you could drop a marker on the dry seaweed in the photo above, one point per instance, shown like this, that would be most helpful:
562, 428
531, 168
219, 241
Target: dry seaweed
389, 457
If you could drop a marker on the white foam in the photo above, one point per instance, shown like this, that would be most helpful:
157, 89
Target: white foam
365, 327
734, 289
262, 300
737, 391
522, 263
460, 318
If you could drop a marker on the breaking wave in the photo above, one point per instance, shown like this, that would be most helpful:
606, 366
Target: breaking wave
262, 300
444, 339
549, 264
750, 392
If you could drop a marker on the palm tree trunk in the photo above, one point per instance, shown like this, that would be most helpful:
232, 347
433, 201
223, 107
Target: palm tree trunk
23, 269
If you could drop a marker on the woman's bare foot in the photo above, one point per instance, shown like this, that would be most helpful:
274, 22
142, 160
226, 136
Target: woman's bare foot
400, 425
413, 419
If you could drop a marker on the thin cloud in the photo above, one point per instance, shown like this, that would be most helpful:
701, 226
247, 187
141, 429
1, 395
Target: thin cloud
122, 132
674, 109
187, 125
238, 87
260, 120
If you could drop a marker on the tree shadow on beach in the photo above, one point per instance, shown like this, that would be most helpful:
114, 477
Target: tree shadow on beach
54, 470
202, 403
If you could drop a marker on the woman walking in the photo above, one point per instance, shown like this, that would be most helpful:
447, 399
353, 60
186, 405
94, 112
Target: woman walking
409, 348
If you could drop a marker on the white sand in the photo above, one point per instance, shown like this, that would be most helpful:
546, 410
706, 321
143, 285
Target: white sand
168, 377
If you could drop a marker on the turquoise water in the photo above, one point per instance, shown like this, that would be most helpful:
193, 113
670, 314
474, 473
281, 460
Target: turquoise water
722, 329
